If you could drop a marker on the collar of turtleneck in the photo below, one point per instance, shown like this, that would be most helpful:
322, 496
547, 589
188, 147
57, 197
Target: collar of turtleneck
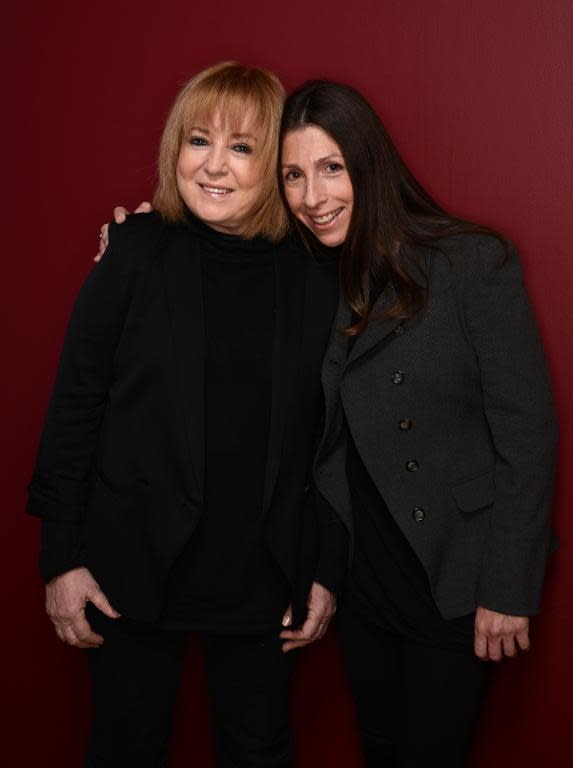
229, 247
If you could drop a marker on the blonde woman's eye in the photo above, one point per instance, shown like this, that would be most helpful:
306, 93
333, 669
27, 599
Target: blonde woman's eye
198, 141
292, 176
242, 149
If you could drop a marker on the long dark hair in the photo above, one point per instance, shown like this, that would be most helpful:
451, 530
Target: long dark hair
391, 208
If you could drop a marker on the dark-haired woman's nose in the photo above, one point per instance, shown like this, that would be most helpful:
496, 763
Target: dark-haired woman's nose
314, 194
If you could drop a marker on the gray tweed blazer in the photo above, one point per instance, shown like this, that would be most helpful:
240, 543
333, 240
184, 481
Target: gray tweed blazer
453, 416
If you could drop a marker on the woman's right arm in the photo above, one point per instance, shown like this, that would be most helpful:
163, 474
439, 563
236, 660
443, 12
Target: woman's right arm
59, 488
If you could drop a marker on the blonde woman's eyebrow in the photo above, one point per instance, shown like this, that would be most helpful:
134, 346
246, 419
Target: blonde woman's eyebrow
235, 135
248, 136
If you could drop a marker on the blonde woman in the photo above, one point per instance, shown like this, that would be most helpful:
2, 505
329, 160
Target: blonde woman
173, 473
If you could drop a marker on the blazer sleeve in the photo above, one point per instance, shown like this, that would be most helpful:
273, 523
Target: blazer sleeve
59, 487
334, 544
61, 548
520, 412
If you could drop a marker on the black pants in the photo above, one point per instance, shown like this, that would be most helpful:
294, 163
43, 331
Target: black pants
416, 704
135, 678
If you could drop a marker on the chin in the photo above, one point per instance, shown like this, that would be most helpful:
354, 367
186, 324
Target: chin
331, 239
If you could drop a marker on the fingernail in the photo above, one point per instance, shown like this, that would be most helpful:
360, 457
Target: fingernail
286, 621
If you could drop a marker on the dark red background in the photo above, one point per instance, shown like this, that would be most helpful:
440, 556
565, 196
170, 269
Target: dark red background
478, 96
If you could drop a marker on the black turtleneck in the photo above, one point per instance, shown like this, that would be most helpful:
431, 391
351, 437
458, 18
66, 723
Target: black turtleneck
226, 578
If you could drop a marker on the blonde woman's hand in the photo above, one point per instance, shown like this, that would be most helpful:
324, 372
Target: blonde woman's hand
321, 606
66, 598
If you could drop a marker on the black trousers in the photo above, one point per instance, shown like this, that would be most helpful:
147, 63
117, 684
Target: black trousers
135, 678
416, 704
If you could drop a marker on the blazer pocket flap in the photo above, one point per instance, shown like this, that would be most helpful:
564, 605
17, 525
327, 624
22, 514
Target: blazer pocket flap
475, 494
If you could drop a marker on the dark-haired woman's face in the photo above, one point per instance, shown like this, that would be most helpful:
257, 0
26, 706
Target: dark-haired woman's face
317, 185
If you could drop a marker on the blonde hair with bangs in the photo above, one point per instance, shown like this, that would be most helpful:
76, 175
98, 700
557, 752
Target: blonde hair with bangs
232, 90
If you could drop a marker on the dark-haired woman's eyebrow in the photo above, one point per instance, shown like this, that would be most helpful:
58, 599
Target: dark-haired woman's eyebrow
329, 158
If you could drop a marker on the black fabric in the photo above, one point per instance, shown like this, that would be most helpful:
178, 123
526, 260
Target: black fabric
416, 704
249, 685
416, 681
135, 678
332, 566
387, 583
122, 455
61, 548
470, 480
226, 579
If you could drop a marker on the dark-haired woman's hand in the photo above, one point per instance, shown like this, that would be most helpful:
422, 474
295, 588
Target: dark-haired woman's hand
498, 635
119, 214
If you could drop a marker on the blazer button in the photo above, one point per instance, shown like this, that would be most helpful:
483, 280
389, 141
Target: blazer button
398, 377
405, 424
398, 330
412, 465
418, 514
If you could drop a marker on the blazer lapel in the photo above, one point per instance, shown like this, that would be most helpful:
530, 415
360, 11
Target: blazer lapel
290, 283
337, 356
376, 330
337, 350
182, 265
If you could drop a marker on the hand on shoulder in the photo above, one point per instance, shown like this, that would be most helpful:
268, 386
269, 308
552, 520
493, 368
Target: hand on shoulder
120, 214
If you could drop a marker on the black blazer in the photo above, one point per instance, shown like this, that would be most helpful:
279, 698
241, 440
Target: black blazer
122, 451
453, 416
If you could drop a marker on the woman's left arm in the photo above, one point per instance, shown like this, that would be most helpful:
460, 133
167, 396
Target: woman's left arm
328, 578
520, 412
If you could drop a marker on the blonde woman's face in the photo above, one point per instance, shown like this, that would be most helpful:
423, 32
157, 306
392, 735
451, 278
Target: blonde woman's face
220, 174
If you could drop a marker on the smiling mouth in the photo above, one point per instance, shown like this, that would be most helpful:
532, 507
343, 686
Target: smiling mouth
216, 192
327, 219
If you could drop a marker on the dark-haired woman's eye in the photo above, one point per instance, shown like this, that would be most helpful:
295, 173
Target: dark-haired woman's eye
333, 167
198, 141
242, 149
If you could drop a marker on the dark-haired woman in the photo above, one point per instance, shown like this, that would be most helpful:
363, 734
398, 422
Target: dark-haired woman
438, 451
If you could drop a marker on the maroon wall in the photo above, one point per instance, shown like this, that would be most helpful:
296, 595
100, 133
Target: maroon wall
478, 97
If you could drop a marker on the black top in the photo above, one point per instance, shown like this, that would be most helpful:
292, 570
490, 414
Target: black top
226, 579
387, 583
243, 334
